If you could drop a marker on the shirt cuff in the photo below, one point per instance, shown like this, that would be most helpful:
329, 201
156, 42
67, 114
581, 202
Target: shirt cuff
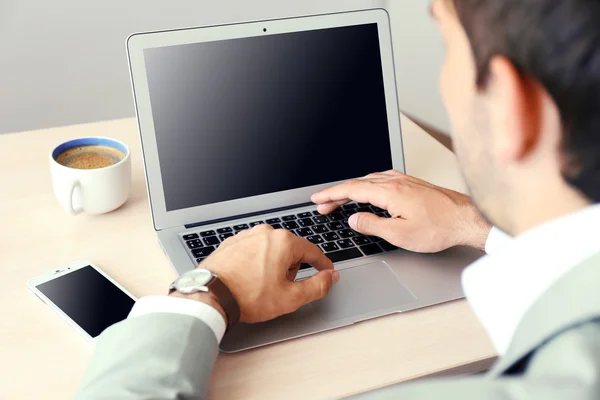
497, 241
177, 305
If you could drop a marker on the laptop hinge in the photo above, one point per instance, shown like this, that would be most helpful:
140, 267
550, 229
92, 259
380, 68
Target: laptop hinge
241, 216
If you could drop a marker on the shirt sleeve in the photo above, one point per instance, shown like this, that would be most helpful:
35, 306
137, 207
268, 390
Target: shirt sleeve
497, 241
176, 305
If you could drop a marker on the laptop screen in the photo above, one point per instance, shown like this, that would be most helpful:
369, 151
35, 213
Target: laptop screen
245, 117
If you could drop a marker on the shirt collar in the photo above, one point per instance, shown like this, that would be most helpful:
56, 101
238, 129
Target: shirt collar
501, 287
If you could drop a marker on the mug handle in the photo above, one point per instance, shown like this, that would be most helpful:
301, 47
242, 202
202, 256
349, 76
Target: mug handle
69, 204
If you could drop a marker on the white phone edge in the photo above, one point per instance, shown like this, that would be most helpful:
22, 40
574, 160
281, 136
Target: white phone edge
59, 272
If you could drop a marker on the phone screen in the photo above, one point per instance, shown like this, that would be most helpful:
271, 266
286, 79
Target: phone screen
89, 299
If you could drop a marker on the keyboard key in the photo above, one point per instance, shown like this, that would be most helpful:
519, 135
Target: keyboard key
304, 232
321, 219
363, 204
345, 243
386, 246
253, 224
316, 239
361, 240
191, 236
289, 218
211, 241
350, 206
328, 247
225, 236
194, 244
305, 222
374, 239
336, 216
273, 221
276, 226
377, 209
208, 233
347, 233
331, 236
319, 229
371, 249
364, 209
305, 266
344, 255
203, 252
305, 215
199, 260
240, 227
335, 226
224, 230
348, 213
290, 225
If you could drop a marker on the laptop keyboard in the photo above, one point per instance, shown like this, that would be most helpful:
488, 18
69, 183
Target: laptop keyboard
331, 233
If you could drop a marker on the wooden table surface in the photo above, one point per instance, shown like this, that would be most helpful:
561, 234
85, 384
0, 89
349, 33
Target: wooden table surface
43, 358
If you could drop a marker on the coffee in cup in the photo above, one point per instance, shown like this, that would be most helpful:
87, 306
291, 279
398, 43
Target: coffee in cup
91, 175
90, 157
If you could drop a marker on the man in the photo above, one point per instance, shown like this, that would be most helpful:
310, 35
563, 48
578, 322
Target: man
521, 82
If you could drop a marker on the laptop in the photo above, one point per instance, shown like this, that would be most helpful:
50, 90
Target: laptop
240, 124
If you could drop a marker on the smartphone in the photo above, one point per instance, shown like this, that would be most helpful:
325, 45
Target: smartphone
84, 296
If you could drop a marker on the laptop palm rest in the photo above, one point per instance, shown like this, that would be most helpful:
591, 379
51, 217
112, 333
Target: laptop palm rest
363, 290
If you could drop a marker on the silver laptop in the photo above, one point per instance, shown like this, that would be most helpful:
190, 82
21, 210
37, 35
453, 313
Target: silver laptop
241, 124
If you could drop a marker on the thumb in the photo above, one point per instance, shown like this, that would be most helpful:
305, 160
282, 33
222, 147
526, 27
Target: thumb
371, 225
317, 286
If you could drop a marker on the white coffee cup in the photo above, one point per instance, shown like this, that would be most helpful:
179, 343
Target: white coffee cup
93, 191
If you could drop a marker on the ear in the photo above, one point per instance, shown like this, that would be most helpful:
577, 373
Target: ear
515, 110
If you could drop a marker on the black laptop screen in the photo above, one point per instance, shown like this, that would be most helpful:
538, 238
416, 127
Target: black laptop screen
244, 117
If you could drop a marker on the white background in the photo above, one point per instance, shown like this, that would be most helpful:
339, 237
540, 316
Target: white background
63, 62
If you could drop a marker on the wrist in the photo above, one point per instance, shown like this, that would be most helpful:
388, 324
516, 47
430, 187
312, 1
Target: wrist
206, 298
476, 229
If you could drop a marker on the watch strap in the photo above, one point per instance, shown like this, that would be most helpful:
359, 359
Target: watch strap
226, 300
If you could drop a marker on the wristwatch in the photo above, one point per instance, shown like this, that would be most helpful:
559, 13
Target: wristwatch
202, 280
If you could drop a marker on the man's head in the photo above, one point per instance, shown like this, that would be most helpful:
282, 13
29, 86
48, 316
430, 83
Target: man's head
521, 82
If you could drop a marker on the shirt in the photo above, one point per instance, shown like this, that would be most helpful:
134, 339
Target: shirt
500, 287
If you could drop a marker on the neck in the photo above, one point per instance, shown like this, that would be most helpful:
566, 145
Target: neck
542, 203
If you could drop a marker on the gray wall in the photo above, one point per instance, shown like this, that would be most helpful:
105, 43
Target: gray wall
63, 62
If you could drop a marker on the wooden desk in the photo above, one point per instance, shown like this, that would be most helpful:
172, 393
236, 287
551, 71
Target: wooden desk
42, 357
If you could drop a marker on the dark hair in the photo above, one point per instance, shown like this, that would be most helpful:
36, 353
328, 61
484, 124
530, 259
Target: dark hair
556, 43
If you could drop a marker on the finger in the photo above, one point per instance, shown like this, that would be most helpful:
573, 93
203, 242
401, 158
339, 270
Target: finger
330, 207
260, 229
303, 251
227, 242
372, 225
356, 190
316, 287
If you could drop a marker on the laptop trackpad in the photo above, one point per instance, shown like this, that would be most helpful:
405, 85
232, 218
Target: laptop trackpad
364, 290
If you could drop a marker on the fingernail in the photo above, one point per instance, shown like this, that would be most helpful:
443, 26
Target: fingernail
335, 277
353, 221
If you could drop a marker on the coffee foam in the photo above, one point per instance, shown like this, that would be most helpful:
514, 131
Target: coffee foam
90, 157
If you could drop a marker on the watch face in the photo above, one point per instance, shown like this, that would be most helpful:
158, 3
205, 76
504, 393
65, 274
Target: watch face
194, 279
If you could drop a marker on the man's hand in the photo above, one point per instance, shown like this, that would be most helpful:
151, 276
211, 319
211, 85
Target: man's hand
259, 267
425, 218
